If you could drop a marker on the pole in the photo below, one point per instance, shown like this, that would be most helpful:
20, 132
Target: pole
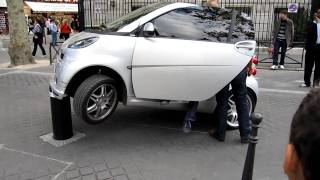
247, 173
81, 15
61, 118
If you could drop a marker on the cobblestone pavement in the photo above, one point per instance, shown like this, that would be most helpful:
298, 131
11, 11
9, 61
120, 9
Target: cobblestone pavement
137, 143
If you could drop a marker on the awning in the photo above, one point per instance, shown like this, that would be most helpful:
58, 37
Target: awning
3, 3
52, 7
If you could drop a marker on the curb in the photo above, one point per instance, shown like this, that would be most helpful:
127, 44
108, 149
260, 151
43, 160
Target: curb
39, 63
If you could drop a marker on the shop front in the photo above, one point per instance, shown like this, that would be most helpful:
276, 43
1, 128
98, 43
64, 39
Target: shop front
3, 17
57, 9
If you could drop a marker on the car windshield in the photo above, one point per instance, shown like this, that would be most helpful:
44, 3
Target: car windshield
132, 16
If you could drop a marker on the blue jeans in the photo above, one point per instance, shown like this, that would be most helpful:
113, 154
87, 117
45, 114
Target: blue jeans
239, 90
53, 38
192, 110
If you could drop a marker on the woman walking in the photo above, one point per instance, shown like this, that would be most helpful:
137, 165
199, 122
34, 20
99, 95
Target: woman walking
38, 38
65, 30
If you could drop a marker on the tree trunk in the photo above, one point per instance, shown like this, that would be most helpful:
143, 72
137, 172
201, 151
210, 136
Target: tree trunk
19, 48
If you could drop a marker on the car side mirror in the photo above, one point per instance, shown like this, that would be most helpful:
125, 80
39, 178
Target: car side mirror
148, 30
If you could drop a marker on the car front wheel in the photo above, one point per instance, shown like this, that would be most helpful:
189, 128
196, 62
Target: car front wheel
232, 120
96, 99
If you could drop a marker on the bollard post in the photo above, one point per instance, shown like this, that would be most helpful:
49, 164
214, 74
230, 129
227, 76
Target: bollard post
61, 118
247, 173
50, 54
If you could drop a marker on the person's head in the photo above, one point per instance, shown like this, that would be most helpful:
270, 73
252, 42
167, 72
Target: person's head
52, 21
302, 157
65, 21
283, 15
213, 3
318, 13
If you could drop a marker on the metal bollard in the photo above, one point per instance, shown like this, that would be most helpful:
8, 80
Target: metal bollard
247, 173
61, 118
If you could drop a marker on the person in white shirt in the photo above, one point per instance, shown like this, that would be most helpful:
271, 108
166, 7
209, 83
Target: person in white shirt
54, 31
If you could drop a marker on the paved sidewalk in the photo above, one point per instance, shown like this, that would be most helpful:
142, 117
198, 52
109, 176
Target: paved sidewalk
137, 143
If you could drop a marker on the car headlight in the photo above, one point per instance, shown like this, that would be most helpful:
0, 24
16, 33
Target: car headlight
83, 43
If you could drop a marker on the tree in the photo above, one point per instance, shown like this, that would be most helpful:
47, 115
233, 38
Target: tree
19, 48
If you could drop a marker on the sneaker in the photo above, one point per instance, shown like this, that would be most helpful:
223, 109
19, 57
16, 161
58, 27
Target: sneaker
187, 127
304, 85
273, 67
281, 67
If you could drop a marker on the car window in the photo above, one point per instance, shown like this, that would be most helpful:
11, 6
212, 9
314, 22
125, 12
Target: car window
212, 24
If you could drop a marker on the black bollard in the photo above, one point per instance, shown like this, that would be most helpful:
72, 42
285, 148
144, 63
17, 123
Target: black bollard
247, 173
61, 118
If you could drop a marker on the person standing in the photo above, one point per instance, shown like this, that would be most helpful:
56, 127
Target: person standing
65, 30
312, 57
282, 38
193, 105
239, 90
38, 38
54, 31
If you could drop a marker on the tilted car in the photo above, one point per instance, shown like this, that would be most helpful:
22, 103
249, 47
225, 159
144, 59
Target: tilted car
162, 55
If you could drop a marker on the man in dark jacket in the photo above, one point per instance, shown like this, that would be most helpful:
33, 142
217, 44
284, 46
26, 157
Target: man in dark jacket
312, 52
282, 38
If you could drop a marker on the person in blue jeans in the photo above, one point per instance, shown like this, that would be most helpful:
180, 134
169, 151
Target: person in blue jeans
54, 31
239, 90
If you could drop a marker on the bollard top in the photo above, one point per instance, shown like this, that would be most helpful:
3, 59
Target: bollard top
256, 118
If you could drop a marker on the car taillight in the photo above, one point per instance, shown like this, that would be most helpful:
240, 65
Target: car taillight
253, 71
255, 60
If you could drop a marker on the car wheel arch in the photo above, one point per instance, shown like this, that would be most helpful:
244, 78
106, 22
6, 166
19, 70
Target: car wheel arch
86, 72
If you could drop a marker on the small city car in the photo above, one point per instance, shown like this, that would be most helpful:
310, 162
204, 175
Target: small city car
163, 55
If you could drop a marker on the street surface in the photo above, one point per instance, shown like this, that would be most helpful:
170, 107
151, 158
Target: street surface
137, 143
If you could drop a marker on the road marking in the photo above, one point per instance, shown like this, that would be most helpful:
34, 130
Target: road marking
63, 171
68, 164
282, 91
27, 72
36, 73
11, 72
36, 155
299, 81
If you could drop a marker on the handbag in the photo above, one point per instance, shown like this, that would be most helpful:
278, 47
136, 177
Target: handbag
61, 36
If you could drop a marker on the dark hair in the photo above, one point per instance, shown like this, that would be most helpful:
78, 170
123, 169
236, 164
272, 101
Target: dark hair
285, 12
305, 134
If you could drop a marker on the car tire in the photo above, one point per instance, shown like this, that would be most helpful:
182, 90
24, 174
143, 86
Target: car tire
96, 99
232, 120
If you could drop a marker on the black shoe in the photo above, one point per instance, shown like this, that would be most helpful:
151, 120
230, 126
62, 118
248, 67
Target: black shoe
244, 140
217, 137
187, 127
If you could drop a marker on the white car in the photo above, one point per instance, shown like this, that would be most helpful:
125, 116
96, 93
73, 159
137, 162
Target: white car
163, 55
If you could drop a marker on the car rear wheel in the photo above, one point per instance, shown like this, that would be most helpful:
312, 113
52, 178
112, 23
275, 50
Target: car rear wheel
232, 120
96, 99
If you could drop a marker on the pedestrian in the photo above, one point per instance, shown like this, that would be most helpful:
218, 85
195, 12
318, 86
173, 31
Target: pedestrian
282, 38
239, 90
65, 30
38, 38
75, 25
302, 158
30, 25
54, 31
47, 24
312, 57
193, 105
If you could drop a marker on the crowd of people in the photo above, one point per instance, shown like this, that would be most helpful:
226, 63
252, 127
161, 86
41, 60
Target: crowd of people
51, 26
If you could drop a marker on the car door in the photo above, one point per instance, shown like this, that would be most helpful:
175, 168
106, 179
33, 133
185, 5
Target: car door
183, 61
